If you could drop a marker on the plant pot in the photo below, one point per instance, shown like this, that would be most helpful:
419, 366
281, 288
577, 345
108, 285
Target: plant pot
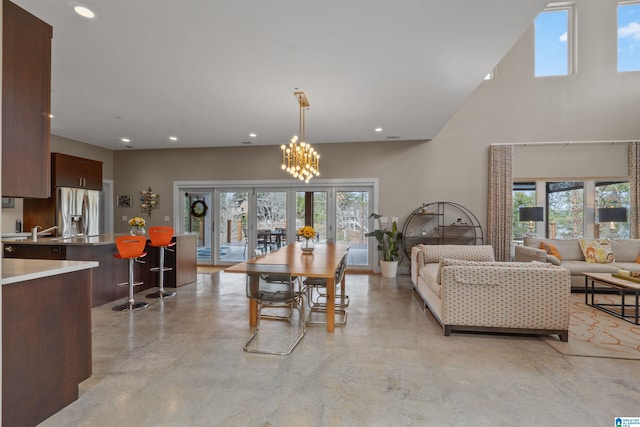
389, 268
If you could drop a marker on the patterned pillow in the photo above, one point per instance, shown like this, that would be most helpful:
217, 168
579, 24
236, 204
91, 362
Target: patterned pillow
551, 250
597, 251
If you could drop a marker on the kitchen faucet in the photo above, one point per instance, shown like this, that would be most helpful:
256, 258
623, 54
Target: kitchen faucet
35, 233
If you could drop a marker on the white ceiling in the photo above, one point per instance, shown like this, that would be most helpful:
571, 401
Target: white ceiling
212, 71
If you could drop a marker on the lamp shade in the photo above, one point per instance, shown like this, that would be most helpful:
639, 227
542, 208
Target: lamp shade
531, 214
612, 214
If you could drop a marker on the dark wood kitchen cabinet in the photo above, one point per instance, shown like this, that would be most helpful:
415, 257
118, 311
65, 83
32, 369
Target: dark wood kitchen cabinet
47, 345
26, 103
110, 271
67, 171
76, 172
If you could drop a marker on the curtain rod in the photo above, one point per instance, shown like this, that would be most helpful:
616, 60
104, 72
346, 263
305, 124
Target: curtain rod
563, 142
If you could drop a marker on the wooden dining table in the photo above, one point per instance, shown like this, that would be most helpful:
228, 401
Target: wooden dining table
322, 263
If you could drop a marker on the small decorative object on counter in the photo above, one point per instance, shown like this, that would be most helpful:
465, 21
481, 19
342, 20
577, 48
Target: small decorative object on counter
308, 234
149, 201
137, 226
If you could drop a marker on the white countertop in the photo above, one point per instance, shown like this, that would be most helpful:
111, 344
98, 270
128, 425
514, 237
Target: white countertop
15, 270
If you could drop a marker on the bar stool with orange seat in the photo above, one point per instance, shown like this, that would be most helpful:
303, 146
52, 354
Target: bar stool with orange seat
161, 238
130, 248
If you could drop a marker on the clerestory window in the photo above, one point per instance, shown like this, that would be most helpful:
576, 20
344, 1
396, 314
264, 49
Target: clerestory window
555, 40
629, 36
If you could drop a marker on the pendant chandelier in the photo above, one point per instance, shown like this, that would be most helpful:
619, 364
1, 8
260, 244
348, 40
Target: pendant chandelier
299, 158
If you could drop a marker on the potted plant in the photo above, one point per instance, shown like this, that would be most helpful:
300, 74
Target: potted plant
388, 245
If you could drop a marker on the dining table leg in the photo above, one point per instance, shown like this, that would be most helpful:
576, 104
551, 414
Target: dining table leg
331, 303
254, 283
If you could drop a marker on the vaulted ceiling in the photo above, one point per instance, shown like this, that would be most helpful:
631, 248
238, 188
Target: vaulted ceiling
211, 72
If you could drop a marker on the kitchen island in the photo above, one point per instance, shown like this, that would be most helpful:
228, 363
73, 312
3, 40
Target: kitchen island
100, 248
46, 336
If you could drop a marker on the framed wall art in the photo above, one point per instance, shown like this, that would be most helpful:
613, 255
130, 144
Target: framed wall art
124, 201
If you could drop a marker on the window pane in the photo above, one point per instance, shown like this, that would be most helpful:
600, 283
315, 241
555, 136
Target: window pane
612, 194
352, 213
319, 209
565, 205
523, 196
629, 37
551, 43
232, 232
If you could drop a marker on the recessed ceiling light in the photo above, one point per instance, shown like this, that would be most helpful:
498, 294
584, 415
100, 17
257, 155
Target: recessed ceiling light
83, 11
51, 116
125, 140
378, 129
252, 135
173, 138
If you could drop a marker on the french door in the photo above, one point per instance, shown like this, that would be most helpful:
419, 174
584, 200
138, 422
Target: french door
197, 219
243, 220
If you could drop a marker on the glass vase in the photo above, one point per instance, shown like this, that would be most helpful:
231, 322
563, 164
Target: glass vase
137, 230
308, 245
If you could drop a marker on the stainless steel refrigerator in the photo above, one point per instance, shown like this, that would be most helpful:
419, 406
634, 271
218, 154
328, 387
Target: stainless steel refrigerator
78, 212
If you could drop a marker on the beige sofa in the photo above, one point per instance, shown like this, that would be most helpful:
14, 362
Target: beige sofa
625, 253
466, 290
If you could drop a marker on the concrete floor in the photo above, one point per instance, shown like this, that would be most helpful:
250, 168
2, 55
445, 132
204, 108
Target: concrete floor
180, 363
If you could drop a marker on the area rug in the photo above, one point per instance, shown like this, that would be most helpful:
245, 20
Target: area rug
208, 270
594, 333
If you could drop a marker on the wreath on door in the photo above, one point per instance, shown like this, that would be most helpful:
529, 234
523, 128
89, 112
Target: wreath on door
199, 208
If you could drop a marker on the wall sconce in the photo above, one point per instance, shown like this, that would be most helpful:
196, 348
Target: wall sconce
149, 201
531, 214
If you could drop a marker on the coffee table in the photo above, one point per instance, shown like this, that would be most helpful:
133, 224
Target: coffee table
624, 287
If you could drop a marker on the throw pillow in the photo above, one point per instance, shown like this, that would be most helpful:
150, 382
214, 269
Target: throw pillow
596, 251
553, 260
551, 250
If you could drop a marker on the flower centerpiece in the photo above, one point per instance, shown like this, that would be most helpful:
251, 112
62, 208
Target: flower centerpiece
137, 226
308, 234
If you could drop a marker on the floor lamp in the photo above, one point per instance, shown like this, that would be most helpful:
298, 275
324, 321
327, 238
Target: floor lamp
531, 214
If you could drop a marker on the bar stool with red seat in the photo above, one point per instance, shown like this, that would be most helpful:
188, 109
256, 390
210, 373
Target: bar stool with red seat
161, 238
130, 248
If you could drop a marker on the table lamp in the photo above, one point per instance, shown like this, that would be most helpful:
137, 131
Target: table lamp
612, 215
531, 214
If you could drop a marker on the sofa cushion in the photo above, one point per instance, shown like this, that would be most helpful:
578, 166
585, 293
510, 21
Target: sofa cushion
496, 276
433, 253
551, 250
428, 273
578, 267
553, 260
596, 251
625, 250
630, 266
569, 249
446, 262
